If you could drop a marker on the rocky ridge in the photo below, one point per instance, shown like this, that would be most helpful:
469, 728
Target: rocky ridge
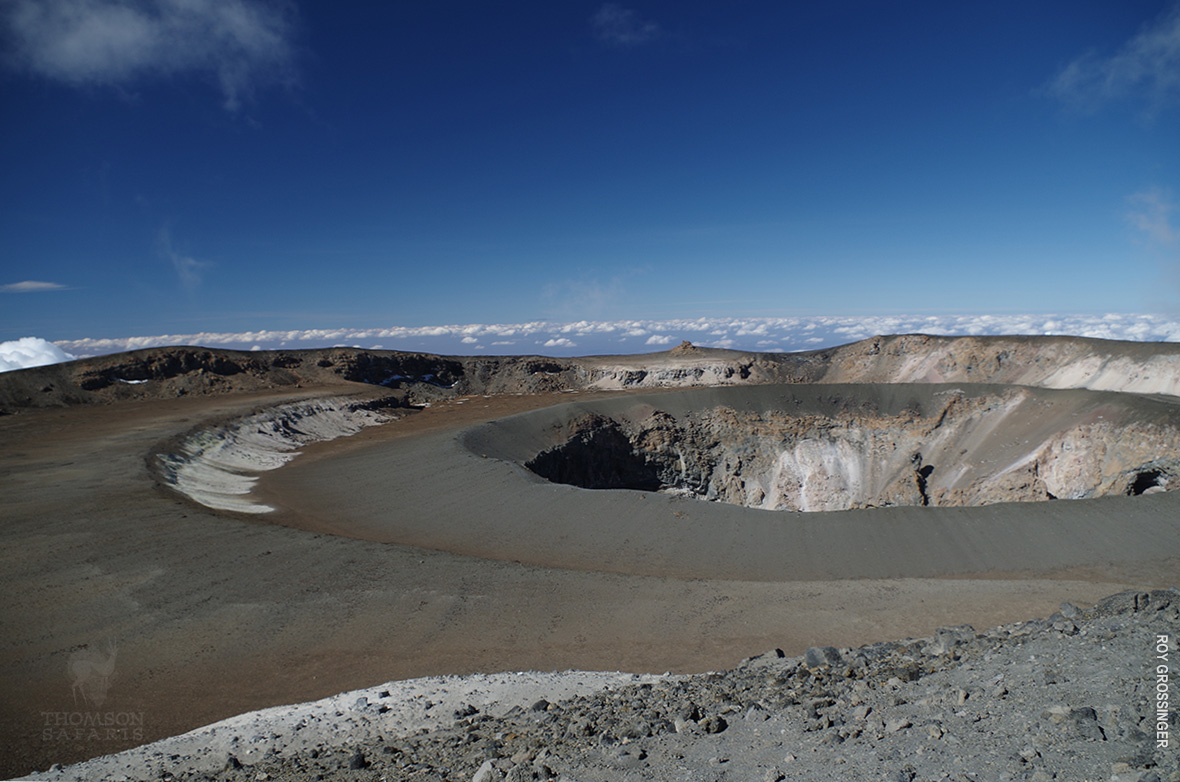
1075, 696
415, 378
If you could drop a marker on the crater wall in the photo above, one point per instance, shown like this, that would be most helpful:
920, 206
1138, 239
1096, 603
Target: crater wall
847, 446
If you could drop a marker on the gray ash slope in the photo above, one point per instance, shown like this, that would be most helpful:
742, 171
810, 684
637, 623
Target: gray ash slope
1069, 697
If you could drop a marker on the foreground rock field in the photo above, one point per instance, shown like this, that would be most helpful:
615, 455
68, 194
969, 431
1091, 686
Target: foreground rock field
1075, 696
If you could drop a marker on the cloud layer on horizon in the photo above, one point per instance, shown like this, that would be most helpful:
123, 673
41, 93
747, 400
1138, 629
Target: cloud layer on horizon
30, 352
639, 336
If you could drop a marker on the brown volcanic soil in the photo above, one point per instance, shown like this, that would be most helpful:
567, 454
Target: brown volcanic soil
215, 614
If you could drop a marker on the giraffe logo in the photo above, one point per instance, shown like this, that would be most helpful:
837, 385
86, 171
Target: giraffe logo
90, 673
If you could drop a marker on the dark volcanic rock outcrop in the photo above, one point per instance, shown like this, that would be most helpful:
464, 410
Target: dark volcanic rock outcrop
163, 373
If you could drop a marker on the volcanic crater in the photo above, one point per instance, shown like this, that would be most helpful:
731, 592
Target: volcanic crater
841, 447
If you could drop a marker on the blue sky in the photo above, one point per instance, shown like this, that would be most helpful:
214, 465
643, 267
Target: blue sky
185, 167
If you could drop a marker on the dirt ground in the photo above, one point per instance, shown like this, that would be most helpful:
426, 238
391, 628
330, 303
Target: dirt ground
200, 615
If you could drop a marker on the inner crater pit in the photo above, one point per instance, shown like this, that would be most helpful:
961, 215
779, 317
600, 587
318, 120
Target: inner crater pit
824, 448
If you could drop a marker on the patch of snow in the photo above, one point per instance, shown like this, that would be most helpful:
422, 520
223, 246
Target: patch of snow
217, 467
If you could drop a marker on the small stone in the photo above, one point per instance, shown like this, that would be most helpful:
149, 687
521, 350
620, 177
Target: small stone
756, 714
714, 724
358, 761
766, 658
487, 772
1085, 721
947, 638
822, 656
906, 774
1056, 714
622, 758
1065, 626
893, 726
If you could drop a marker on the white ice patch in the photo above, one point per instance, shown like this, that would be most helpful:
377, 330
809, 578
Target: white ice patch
217, 467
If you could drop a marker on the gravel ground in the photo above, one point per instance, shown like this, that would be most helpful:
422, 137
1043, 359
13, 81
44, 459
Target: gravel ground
1070, 697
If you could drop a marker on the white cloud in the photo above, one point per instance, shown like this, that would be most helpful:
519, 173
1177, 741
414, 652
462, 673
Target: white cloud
30, 352
30, 286
240, 44
620, 26
187, 268
582, 298
1152, 216
762, 334
658, 339
1147, 67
